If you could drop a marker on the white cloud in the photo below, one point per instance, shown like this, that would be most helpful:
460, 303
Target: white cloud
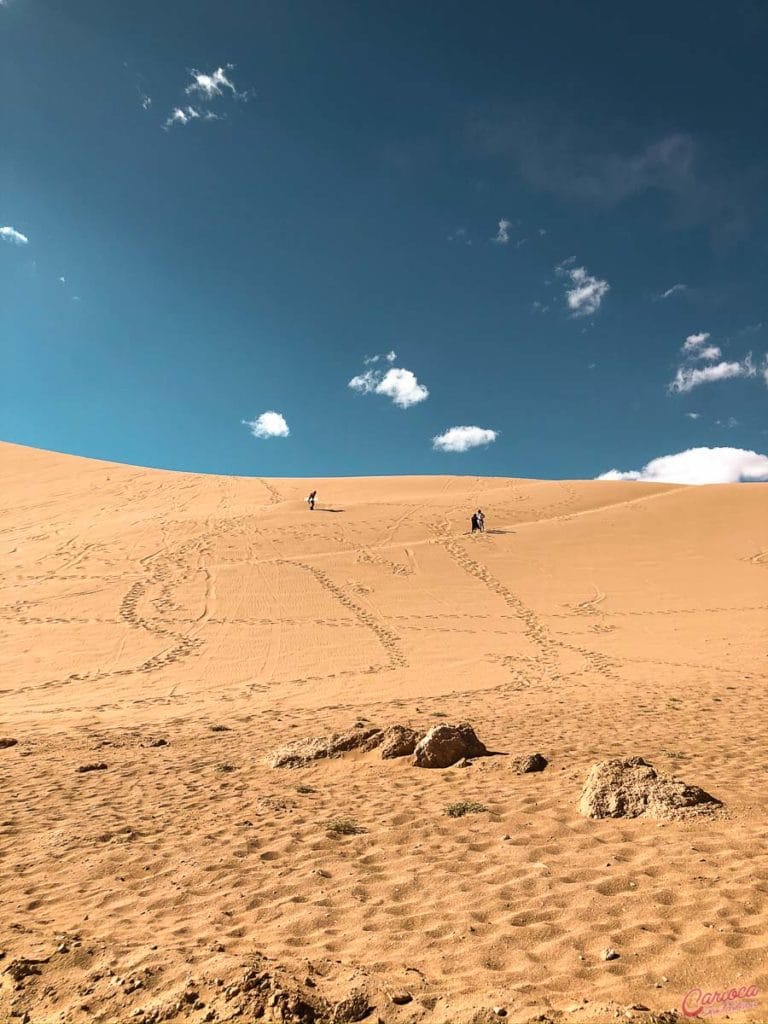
208, 87
398, 384
693, 415
269, 424
502, 235
672, 291
710, 353
9, 234
182, 117
461, 439
366, 382
185, 115
146, 102
688, 377
63, 280
699, 466
694, 341
764, 369
390, 357
402, 387
587, 293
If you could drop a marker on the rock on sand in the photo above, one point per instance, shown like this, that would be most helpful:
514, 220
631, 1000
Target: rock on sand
632, 788
444, 745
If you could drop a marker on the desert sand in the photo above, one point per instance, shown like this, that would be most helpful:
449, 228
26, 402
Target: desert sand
175, 629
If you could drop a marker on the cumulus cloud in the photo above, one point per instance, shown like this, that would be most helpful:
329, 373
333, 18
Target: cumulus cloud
390, 357
396, 383
269, 424
689, 377
699, 466
181, 116
9, 234
693, 415
672, 291
695, 349
587, 292
502, 235
204, 88
208, 87
461, 439
695, 341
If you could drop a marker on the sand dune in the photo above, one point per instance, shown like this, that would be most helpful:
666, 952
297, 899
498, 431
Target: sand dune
593, 620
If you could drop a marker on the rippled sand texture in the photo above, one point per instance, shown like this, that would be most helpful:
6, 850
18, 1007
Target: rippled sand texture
593, 620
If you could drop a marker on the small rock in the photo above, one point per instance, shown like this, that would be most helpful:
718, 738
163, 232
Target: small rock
353, 1008
609, 954
444, 745
97, 766
529, 763
7, 741
401, 997
159, 743
500, 1011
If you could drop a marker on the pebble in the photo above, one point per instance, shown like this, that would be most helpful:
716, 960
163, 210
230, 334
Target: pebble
500, 1011
609, 954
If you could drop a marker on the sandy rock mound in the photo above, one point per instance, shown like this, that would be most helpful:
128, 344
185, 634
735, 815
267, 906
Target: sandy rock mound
632, 788
399, 741
529, 763
444, 745
301, 752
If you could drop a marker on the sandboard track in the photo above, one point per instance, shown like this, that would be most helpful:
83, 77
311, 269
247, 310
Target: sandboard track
389, 640
535, 630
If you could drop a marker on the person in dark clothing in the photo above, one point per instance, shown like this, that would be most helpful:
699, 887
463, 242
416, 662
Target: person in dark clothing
311, 500
475, 523
480, 520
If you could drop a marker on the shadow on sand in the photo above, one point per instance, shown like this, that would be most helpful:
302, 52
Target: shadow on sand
316, 509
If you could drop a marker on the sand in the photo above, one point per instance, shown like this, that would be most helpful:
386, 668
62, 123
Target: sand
592, 620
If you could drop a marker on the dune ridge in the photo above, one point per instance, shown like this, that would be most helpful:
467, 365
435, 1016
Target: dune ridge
170, 631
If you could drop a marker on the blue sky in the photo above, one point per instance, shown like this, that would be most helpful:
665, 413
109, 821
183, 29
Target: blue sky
331, 190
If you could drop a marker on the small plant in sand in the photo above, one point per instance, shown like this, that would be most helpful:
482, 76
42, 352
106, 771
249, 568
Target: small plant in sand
343, 827
462, 807
301, 788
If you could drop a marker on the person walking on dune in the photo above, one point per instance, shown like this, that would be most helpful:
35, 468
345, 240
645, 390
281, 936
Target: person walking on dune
311, 500
475, 523
480, 520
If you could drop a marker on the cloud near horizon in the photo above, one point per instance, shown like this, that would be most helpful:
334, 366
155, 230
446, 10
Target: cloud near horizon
699, 466
268, 424
9, 234
396, 383
461, 439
